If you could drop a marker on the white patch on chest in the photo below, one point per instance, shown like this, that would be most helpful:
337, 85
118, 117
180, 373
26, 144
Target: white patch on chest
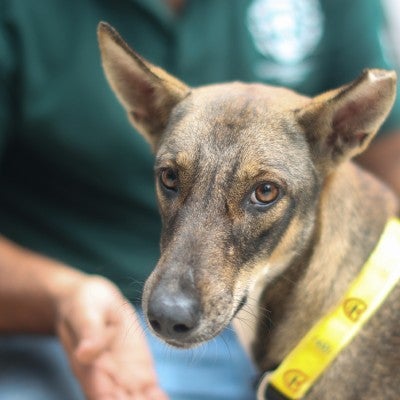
245, 322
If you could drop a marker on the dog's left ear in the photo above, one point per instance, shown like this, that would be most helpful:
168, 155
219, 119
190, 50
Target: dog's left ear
147, 92
340, 124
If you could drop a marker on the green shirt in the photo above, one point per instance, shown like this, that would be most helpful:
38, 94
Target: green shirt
75, 180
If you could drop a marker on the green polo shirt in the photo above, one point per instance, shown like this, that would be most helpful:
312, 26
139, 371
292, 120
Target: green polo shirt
76, 182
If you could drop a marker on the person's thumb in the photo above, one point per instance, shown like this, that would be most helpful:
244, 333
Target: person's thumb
86, 334
95, 338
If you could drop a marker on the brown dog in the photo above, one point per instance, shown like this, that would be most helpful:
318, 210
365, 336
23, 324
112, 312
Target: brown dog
262, 209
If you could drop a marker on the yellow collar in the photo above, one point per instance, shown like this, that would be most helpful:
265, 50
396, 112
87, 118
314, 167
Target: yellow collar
319, 347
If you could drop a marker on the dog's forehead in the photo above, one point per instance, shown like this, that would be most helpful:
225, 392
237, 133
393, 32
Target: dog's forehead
251, 97
226, 112
251, 123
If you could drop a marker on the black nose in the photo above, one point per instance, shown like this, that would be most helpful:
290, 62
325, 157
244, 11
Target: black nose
173, 315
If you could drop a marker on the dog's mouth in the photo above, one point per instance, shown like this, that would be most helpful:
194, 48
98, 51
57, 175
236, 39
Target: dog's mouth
184, 315
240, 305
191, 340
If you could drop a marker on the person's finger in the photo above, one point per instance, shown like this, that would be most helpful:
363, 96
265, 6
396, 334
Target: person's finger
138, 395
89, 331
66, 337
94, 342
97, 383
155, 393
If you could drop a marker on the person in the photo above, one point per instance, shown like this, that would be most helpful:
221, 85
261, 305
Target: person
78, 217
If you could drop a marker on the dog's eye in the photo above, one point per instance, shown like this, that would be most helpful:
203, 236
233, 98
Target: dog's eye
169, 179
265, 194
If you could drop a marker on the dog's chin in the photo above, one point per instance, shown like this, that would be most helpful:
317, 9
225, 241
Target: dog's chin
182, 344
195, 339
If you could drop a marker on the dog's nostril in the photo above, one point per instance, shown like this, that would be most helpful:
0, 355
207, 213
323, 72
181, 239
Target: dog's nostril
181, 328
155, 325
173, 314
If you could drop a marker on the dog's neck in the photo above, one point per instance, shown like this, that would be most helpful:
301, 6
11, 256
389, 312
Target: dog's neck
353, 209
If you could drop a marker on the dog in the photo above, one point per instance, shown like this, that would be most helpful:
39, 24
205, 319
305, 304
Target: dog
266, 220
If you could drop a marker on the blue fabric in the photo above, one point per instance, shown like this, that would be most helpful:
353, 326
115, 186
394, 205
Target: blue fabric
35, 368
214, 371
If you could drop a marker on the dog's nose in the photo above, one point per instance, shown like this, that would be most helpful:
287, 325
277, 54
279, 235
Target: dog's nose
173, 315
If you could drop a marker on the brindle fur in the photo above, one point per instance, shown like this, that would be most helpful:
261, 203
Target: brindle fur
293, 260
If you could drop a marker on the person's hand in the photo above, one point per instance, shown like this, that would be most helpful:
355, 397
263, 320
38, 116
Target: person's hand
105, 343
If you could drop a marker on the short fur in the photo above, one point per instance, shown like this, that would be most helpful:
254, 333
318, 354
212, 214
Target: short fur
277, 267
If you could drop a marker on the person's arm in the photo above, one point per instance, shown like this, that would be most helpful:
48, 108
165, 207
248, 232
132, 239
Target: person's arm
382, 158
98, 327
31, 286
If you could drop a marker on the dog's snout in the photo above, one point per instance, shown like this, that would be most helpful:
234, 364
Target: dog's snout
173, 315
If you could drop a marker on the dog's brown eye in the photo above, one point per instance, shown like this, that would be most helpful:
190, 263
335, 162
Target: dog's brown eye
169, 178
265, 194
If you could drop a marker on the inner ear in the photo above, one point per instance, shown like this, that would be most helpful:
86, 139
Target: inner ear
147, 92
353, 126
343, 125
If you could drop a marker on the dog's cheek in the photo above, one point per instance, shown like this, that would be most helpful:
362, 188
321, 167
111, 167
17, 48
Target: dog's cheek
218, 302
169, 220
217, 311
260, 231
148, 286
249, 244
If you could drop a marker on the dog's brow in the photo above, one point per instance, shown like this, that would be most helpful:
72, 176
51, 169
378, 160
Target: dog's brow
181, 159
256, 170
163, 159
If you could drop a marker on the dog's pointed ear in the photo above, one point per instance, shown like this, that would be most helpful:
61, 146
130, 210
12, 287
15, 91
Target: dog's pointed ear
147, 92
340, 124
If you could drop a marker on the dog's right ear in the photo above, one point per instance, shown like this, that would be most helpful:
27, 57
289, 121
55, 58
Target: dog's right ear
147, 92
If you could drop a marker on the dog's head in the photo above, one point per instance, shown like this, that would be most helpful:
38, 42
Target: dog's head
239, 168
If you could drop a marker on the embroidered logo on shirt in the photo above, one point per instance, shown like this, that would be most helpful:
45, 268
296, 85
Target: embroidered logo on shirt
285, 32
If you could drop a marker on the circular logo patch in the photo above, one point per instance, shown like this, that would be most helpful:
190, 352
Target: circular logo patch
285, 30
